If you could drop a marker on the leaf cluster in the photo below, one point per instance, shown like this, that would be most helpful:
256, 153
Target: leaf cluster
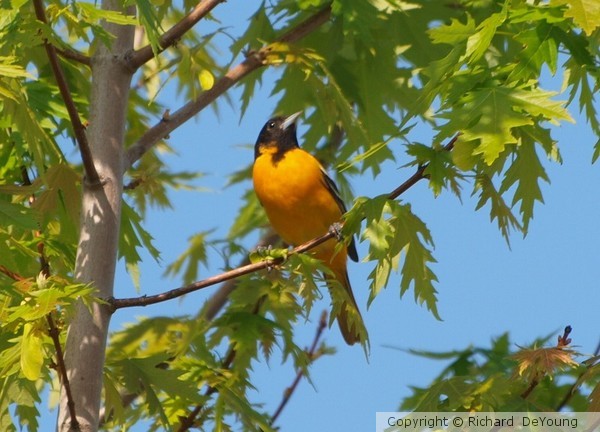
501, 378
28, 353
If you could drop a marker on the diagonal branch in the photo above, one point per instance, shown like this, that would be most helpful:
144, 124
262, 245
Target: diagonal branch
75, 55
420, 173
213, 280
78, 128
218, 300
11, 274
254, 61
171, 36
251, 268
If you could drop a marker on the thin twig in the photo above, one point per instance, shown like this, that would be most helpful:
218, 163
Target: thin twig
172, 36
216, 302
287, 394
532, 385
71, 54
62, 370
213, 280
251, 268
420, 173
91, 174
254, 61
11, 274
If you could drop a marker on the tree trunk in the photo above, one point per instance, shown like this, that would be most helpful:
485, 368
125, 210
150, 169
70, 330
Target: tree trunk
100, 221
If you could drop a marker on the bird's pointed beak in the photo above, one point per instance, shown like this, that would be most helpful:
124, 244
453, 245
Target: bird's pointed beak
290, 120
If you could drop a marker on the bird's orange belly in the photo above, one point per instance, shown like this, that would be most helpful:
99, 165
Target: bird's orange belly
297, 202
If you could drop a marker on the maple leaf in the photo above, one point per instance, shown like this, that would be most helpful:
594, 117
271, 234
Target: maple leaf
490, 115
535, 363
585, 13
490, 118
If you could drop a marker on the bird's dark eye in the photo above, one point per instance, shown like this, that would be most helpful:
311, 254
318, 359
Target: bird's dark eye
271, 125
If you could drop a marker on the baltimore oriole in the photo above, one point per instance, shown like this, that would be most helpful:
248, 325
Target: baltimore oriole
302, 203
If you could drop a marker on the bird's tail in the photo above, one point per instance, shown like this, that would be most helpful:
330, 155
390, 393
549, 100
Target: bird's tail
349, 318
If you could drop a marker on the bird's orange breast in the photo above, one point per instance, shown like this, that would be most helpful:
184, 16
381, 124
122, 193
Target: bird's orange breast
294, 194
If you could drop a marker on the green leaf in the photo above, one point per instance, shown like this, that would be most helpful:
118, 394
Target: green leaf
539, 48
397, 237
250, 216
32, 354
149, 19
490, 114
187, 263
268, 253
526, 171
538, 102
134, 236
95, 14
585, 13
63, 192
17, 215
479, 42
453, 33
259, 29
499, 211
440, 170
152, 377
11, 70
446, 395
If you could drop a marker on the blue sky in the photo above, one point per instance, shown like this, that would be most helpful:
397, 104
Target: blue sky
542, 283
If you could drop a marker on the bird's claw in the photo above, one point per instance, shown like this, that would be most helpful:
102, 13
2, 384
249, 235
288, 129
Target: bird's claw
336, 230
264, 250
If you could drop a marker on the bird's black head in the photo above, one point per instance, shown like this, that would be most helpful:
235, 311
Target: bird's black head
277, 136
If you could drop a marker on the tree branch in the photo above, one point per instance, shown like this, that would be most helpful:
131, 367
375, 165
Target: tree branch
253, 62
287, 394
75, 55
78, 128
251, 268
420, 173
216, 302
171, 36
62, 370
11, 274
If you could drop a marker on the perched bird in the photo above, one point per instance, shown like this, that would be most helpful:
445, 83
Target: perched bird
302, 203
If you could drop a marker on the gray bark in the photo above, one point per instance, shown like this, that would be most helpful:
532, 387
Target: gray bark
100, 221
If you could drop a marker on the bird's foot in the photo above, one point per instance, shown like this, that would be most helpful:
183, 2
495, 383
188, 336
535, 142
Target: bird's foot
336, 230
264, 250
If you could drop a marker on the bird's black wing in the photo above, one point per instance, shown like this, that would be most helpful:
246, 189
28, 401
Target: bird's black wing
335, 193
